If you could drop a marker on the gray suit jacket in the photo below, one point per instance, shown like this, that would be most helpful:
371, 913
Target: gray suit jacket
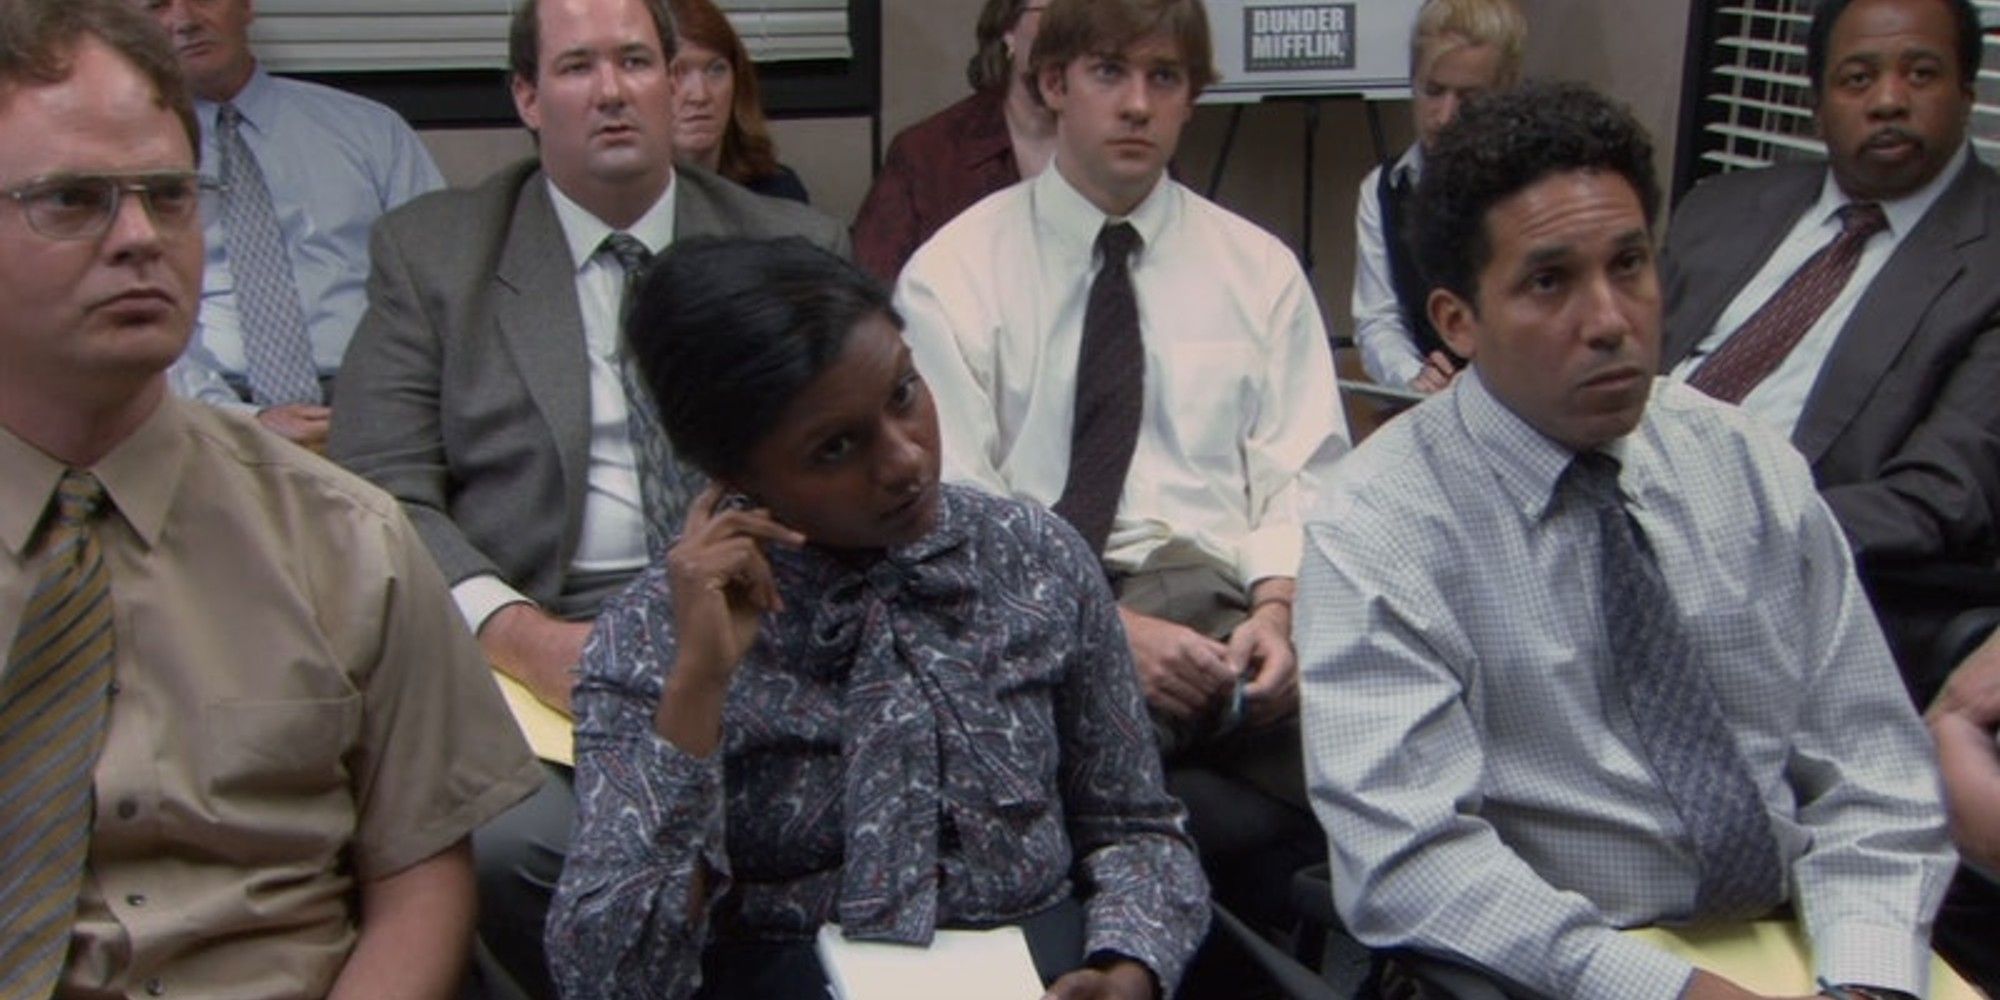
1902, 427
465, 392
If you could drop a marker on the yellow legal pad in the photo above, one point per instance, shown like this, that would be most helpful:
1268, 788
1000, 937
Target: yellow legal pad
547, 730
1771, 956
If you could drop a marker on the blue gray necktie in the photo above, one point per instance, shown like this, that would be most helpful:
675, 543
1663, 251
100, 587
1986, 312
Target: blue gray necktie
666, 486
277, 353
1679, 720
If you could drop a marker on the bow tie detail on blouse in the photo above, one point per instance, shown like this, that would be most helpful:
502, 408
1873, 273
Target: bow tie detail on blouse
913, 704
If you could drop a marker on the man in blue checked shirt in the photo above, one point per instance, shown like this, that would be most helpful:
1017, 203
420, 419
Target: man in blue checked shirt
309, 169
1584, 650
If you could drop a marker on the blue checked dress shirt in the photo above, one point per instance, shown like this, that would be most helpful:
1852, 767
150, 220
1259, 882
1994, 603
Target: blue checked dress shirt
1480, 778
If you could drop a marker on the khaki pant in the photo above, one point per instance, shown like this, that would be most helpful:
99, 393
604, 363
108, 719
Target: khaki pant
1267, 757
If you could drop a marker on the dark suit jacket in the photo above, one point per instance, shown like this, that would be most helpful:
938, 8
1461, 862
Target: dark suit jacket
465, 392
1902, 427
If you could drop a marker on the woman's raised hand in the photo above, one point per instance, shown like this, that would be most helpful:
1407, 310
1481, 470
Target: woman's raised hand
721, 583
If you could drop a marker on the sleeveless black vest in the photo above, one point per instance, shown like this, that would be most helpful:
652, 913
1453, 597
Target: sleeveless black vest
1412, 291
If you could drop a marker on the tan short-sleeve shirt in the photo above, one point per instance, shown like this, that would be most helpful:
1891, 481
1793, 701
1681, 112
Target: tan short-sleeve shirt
297, 709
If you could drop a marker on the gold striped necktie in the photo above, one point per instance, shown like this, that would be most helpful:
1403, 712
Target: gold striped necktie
53, 703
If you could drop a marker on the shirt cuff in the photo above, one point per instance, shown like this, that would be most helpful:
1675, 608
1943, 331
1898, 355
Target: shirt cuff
690, 788
1399, 370
1272, 550
1863, 954
1625, 967
478, 597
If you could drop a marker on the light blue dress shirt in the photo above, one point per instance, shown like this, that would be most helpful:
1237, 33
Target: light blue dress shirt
1477, 768
334, 163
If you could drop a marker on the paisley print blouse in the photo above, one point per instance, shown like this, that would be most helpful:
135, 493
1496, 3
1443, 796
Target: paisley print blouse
952, 735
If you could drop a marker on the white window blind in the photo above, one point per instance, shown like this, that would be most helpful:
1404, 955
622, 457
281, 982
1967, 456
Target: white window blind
1760, 100
320, 36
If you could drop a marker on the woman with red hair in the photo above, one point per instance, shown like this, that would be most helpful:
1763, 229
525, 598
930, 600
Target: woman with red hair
718, 116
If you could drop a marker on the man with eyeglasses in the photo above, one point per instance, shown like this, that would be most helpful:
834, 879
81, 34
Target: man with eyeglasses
307, 170
242, 741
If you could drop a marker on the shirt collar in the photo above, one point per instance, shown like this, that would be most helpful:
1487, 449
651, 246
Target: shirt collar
1527, 462
257, 102
30, 479
1903, 213
1408, 166
140, 476
1062, 212
585, 232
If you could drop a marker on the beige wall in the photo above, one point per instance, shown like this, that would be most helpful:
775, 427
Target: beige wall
1632, 49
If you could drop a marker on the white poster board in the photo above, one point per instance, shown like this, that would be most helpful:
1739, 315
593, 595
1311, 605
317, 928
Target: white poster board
1265, 48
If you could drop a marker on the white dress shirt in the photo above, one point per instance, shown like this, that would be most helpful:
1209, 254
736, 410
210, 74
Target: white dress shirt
1241, 416
1388, 350
1476, 767
1781, 397
613, 532
334, 163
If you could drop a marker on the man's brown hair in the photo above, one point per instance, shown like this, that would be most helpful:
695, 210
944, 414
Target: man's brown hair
1072, 29
39, 39
524, 36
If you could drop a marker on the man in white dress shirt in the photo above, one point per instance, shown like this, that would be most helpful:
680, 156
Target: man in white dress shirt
1222, 373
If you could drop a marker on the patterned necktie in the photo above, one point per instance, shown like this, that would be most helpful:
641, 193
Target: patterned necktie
1674, 709
665, 486
277, 353
53, 703
1754, 351
1110, 392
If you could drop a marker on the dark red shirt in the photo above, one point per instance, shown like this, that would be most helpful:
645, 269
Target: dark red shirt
935, 169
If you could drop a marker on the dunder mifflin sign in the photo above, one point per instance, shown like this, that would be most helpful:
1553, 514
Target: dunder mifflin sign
1298, 37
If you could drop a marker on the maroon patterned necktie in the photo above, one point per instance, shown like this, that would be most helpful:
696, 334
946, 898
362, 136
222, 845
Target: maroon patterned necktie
1110, 392
1755, 350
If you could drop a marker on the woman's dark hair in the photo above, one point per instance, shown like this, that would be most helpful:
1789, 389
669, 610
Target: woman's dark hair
726, 332
1827, 13
991, 65
1503, 143
747, 151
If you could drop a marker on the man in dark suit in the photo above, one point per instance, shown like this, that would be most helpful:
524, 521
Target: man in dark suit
485, 385
1877, 351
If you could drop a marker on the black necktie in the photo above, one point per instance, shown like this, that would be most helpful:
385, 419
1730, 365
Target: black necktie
1110, 392
1675, 711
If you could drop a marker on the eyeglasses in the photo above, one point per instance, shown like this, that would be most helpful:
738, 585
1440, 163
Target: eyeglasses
81, 206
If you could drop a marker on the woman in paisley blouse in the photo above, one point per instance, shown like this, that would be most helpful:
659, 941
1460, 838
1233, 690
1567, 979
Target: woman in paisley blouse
850, 693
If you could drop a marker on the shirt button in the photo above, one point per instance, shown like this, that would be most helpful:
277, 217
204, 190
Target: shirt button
113, 688
155, 988
137, 899
128, 809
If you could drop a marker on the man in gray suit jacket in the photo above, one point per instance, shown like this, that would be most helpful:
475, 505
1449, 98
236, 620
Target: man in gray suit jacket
1892, 392
483, 385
